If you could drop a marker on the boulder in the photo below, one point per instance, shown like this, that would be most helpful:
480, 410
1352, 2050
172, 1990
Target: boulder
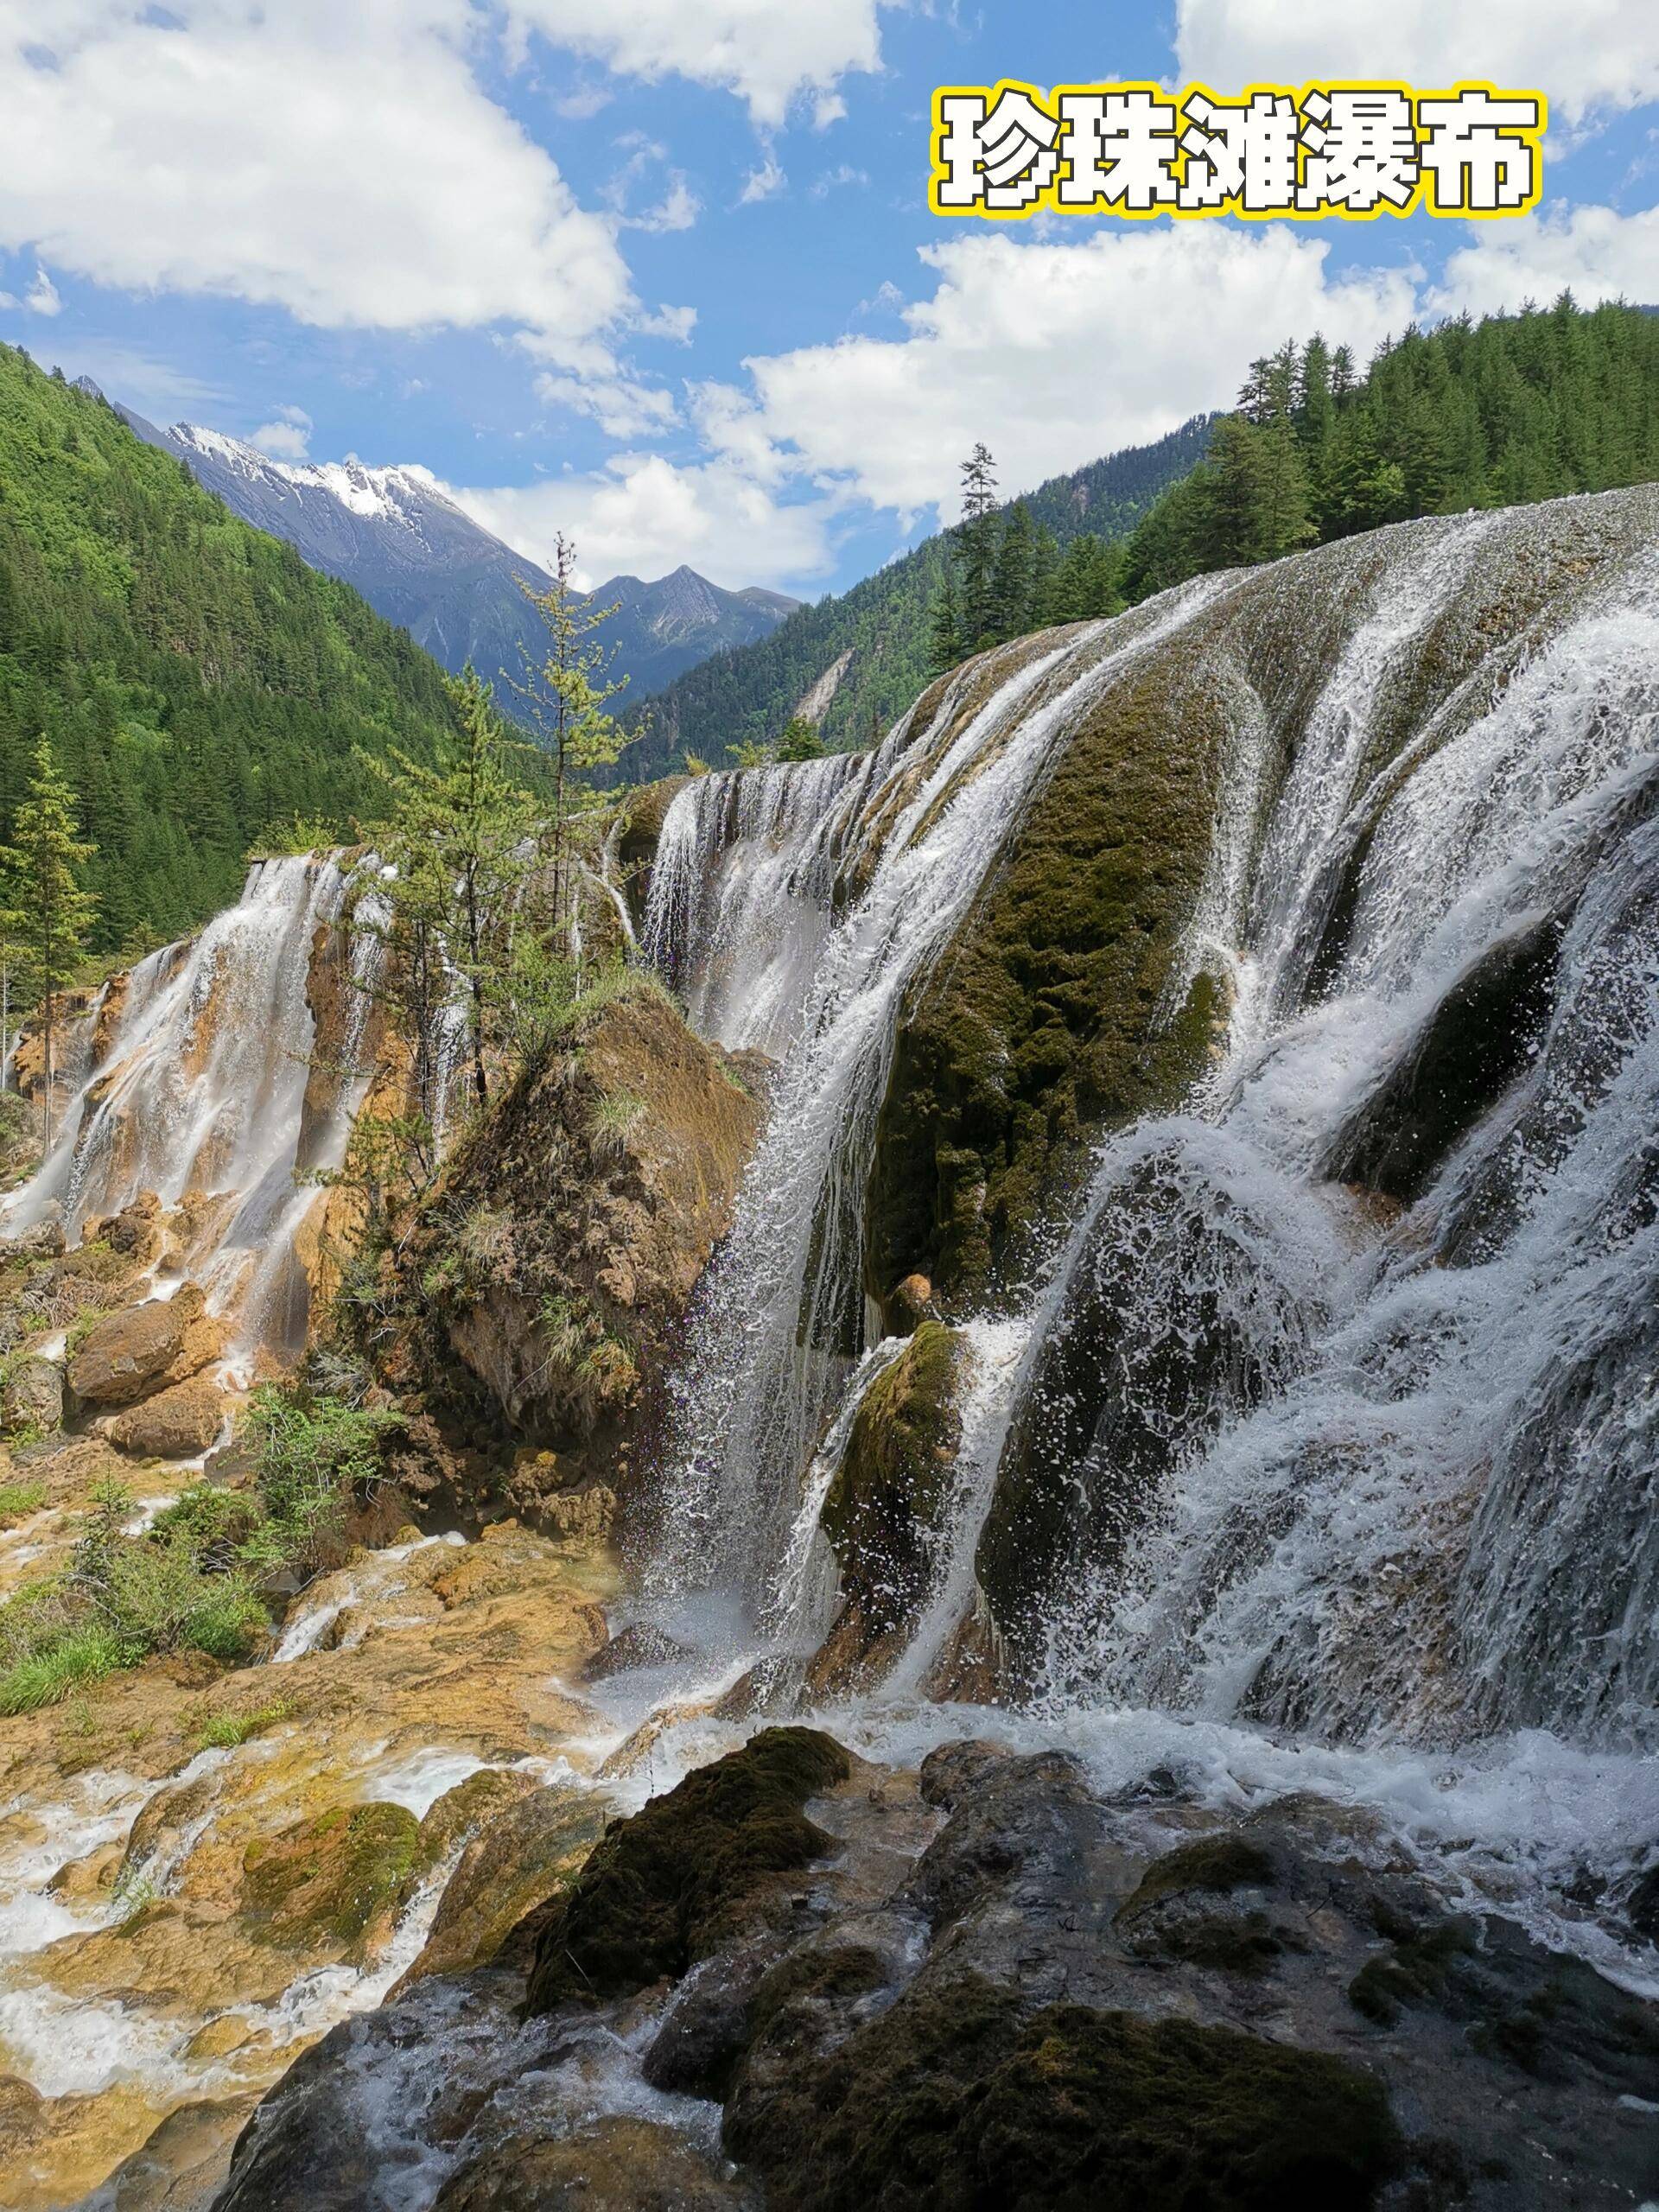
144, 1349
616, 2164
177, 1423
45, 1240
518, 1860
33, 1396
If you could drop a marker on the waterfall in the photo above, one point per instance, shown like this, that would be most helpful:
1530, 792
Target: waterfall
784, 1315
740, 892
1336, 1410
196, 1091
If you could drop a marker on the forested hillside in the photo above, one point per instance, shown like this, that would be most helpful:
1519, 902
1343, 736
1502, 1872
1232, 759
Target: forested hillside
199, 684
1491, 414
883, 623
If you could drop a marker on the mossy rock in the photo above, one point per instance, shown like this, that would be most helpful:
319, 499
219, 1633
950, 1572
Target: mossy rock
890, 1488
664, 1886
1217, 1864
1047, 1018
948, 2102
329, 1883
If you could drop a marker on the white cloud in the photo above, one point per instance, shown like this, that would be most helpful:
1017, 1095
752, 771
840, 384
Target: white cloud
342, 163
622, 407
833, 179
645, 515
41, 297
1055, 353
678, 207
1592, 251
762, 182
769, 53
287, 437
585, 102
1596, 54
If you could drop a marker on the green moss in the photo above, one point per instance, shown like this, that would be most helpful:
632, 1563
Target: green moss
892, 1482
1047, 1018
662, 1887
19, 1500
1413, 1971
948, 2102
1216, 1863
325, 1882
1104, 2109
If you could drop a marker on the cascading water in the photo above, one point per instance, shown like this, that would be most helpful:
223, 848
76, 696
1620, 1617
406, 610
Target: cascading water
784, 1314
196, 1089
1335, 1413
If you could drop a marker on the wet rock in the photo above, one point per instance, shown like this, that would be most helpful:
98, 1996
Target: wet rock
175, 1424
335, 1880
144, 1349
1471, 1049
133, 1235
887, 1500
33, 1396
522, 1856
641, 1644
612, 2165
662, 1887
182, 2164
538, 1304
45, 1240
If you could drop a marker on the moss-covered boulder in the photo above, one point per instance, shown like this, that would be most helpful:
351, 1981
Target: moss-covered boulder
664, 1887
947, 2101
888, 1496
334, 1882
538, 1297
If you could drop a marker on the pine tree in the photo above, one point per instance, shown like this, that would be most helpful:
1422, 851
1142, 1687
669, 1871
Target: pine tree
800, 740
977, 547
1045, 560
566, 692
462, 839
45, 861
944, 628
1011, 577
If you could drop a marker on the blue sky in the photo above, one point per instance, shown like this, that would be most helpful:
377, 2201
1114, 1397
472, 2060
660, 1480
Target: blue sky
661, 272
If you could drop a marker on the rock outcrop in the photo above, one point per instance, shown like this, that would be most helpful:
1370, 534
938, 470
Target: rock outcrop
538, 1297
144, 1349
991, 1984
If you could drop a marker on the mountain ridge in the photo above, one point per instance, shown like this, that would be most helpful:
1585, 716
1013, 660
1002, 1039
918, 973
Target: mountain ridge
398, 537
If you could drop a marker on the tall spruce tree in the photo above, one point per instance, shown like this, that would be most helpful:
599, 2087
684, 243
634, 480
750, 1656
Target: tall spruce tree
567, 690
45, 862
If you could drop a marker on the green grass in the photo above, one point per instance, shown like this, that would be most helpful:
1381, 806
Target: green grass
19, 1500
225, 1730
69, 1662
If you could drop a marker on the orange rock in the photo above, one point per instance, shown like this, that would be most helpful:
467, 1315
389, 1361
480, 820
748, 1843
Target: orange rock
143, 1349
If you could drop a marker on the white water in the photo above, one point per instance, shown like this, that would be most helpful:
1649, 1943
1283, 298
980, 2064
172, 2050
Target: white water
1414, 1500
198, 1092
783, 1311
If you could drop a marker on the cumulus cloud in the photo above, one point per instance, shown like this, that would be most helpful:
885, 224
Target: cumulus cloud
622, 407
1056, 352
343, 164
645, 514
769, 53
1592, 251
1599, 53
1053, 353
287, 436
41, 297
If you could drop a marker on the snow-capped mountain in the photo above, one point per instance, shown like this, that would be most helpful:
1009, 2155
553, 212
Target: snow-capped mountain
396, 536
